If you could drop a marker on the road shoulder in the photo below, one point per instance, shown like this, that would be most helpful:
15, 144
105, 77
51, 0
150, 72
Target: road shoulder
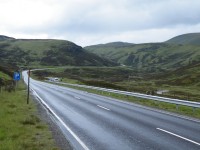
60, 139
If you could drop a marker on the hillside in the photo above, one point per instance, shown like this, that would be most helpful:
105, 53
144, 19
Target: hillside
47, 52
2, 38
150, 57
190, 39
114, 44
185, 76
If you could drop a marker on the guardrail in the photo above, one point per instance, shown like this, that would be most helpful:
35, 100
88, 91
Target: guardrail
151, 97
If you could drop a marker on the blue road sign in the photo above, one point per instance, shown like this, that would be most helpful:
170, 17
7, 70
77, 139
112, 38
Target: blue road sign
16, 76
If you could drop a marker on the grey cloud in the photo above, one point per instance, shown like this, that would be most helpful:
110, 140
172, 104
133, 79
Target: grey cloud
139, 15
106, 18
178, 13
124, 15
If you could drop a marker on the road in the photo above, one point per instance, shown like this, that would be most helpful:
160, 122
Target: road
96, 122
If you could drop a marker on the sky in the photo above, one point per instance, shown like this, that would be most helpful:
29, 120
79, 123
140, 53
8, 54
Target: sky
89, 22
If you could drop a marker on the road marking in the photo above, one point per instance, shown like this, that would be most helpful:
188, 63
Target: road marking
62, 122
152, 109
103, 107
77, 97
178, 136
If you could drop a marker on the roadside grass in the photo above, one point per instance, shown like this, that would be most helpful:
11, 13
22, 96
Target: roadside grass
179, 109
72, 81
20, 126
190, 92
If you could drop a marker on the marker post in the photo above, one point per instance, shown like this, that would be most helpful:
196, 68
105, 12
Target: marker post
29, 72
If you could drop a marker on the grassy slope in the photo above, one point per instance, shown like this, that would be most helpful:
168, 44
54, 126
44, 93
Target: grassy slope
189, 39
47, 52
20, 126
37, 46
150, 57
188, 75
153, 57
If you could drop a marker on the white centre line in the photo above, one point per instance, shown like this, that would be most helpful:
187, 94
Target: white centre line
178, 136
103, 107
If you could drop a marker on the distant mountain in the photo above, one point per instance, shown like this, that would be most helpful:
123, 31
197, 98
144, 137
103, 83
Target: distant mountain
47, 52
153, 57
114, 44
2, 37
191, 39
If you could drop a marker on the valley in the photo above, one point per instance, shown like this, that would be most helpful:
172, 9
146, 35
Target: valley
171, 66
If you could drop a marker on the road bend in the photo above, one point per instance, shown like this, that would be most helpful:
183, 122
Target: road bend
90, 121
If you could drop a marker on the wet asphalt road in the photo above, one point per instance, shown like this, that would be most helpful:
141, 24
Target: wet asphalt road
95, 122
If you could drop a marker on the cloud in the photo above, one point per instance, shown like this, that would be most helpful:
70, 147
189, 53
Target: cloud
135, 36
173, 13
133, 15
90, 21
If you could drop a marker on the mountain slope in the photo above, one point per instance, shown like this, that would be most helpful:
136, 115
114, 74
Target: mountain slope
2, 37
114, 44
191, 39
150, 57
47, 52
187, 75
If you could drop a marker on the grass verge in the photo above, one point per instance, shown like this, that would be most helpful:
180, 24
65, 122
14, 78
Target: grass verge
182, 110
20, 126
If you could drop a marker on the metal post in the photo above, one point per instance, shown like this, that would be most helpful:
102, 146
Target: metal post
177, 106
128, 83
16, 82
193, 110
28, 86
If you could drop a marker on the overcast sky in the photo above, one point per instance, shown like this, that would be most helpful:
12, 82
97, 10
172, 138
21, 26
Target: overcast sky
88, 22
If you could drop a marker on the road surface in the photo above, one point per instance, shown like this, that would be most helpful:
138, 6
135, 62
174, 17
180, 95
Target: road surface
96, 122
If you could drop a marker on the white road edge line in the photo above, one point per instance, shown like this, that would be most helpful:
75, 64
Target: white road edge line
103, 107
178, 136
61, 121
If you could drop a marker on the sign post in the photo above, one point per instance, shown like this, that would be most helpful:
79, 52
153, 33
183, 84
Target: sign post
29, 72
16, 77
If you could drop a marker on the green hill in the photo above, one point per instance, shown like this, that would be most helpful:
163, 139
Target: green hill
115, 44
150, 57
191, 39
48, 52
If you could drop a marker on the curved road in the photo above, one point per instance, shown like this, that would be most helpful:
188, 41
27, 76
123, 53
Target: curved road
96, 122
